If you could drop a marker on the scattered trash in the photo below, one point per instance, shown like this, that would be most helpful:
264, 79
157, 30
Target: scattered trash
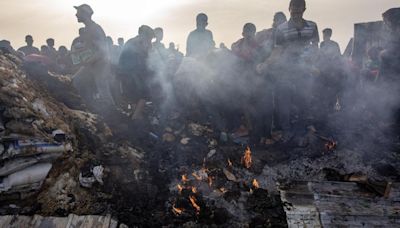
87, 179
211, 153
185, 141
168, 137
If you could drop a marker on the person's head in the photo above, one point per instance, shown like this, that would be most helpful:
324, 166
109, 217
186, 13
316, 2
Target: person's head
146, 33
109, 41
121, 41
392, 19
44, 49
81, 31
222, 46
5, 44
159, 34
50, 42
297, 9
29, 40
83, 13
249, 31
201, 21
279, 18
171, 46
327, 34
62, 50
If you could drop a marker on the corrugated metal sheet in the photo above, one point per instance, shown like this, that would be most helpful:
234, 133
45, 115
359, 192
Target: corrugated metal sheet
339, 204
72, 221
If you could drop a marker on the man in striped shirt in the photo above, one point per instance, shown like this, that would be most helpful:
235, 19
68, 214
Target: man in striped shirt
296, 42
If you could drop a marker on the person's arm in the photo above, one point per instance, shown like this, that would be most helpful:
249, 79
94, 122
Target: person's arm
189, 44
315, 37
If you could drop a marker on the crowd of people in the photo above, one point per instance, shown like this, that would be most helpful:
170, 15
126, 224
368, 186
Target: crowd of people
273, 78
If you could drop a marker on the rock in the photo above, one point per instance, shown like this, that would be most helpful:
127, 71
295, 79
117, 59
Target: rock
168, 137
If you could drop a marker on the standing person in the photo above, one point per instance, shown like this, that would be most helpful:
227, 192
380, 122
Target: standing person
266, 37
51, 51
133, 71
29, 48
329, 47
200, 41
158, 46
296, 45
92, 80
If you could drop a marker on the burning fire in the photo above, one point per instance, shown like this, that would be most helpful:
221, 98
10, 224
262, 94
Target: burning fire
331, 145
184, 178
194, 190
177, 211
180, 188
194, 203
223, 190
246, 159
255, 184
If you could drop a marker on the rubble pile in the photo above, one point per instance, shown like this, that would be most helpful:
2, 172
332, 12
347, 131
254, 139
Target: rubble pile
173, 171
48, 151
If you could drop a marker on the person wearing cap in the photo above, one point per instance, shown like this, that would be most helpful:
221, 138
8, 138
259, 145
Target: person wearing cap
29, 48
92, 80
200, 41
133, 72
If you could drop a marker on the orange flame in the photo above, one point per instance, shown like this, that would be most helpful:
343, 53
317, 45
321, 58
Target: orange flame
194, 190
230, 163
194, 203
255, 184
223, 190
246, 159
180, 188
331, 145
177, 211
184, 178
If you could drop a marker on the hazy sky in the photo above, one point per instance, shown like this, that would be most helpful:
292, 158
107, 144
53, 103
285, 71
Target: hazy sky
121, 18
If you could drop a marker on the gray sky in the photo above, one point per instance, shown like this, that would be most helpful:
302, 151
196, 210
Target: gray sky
121, 18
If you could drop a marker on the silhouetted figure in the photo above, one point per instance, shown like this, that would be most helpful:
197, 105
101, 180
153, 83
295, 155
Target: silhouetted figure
29, 48
6, 47
121, 43
200, 41
247, 48
329, 48
51, 51
257, 102
93, 79
296, 44
64, 61
266, 37
158, 46
133, 72
113, 50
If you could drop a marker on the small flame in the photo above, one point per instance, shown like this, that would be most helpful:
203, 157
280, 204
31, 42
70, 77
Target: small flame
180, 188
223, 190
194, 203
255, 184
246, 159
194, 190
230, 164
177, 211
331, 145
184, 178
